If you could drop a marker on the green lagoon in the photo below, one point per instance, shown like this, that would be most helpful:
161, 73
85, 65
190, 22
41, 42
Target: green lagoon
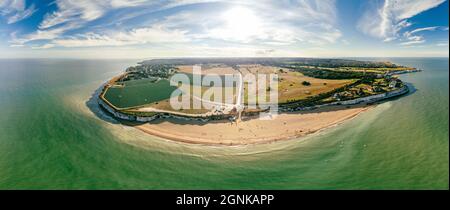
52, 136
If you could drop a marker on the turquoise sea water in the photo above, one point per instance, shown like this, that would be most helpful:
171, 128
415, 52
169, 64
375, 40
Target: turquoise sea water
51, 138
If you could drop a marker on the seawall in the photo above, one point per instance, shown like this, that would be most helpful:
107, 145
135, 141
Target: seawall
135, 118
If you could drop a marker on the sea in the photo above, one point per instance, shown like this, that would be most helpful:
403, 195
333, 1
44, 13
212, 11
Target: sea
53, 136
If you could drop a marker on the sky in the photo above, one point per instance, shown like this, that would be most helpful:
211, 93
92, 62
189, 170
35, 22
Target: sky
141, 29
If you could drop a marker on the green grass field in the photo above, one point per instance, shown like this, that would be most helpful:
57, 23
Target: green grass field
139, 92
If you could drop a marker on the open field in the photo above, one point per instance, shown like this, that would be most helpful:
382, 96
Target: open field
219, 69
290, 87
165, 105
258, 69
138, 93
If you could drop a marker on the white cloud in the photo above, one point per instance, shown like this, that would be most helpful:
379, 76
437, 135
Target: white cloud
72, 15
40, 35
155, 34
256, 22
442, 44
17, 45
408, 8
266, 52
388, 19
45, 46
411, 37
83, 10
413, 42
15, 10
177, 3
409, 33
263, 22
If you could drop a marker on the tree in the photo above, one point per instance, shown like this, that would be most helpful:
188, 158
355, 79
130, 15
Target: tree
306, 83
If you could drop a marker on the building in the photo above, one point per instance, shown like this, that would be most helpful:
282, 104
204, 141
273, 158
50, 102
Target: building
393, 83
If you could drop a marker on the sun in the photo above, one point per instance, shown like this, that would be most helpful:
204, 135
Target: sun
241, 23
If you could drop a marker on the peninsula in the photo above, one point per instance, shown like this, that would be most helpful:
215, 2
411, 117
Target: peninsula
311, 95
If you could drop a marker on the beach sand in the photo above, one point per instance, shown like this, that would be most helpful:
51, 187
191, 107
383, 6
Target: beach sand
250, 131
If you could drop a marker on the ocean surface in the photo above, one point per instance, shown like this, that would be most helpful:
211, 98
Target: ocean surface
53, 137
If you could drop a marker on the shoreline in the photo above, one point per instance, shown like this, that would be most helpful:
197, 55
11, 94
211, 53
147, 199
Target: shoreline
286, 126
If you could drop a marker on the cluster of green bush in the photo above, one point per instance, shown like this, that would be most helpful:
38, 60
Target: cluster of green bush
338, 63
331, 74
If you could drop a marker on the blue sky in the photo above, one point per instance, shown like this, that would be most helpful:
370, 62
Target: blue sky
187, 28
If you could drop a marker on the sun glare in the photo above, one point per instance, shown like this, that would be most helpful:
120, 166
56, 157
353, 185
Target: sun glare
241, 23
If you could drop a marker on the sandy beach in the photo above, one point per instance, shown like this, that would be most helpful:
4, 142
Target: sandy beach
250, 131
